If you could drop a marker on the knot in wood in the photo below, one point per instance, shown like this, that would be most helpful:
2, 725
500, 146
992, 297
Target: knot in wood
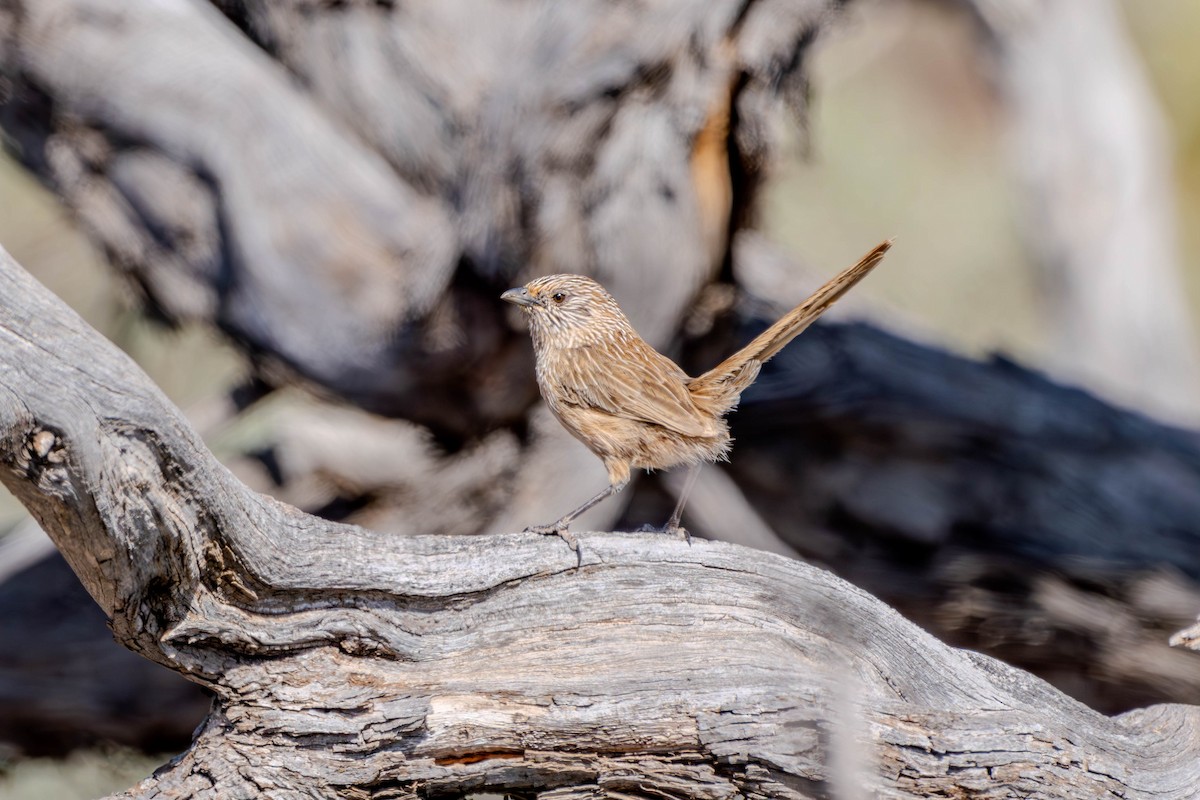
44, 448
42, 443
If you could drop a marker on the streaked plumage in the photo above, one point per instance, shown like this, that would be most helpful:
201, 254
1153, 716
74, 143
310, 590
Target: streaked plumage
632, 406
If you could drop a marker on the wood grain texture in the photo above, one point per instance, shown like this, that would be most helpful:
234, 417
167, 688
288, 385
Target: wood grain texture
1000, 509
352, 663
216, 157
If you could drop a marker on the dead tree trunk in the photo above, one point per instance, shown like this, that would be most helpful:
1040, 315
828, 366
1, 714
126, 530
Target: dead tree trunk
346, 662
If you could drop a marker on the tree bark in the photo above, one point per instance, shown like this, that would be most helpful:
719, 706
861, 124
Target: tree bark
349, 220
346, 662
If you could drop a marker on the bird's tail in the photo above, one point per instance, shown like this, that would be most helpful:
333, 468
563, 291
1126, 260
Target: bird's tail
720, 387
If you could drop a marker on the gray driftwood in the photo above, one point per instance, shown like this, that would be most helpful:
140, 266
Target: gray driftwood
378, 175
351, 663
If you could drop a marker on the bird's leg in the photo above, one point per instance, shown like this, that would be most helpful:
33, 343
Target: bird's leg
672, 525
559, 527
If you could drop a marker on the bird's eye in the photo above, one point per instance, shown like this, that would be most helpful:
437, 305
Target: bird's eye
558, 297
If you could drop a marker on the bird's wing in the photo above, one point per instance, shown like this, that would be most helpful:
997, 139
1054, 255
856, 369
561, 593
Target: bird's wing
634, 381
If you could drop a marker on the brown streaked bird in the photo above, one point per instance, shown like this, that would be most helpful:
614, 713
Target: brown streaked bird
632, 406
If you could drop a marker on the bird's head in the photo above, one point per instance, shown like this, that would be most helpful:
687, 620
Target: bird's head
573, 308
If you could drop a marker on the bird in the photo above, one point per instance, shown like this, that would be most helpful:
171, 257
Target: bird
632, 406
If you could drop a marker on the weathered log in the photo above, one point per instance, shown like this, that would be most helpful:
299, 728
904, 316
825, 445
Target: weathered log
449, 191
1008, 554
1003, 511
349, 662
997, 508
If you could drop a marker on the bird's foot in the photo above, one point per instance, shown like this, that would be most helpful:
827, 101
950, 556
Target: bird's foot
678, 531
560, 530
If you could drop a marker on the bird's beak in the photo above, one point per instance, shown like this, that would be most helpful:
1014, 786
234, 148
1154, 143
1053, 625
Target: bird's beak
519, 297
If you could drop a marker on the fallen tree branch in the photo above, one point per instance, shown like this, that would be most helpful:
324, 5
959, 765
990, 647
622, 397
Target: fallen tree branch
346, 661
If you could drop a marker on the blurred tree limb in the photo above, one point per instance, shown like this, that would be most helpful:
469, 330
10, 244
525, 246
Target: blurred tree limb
306, 180
1092, 154
351, 663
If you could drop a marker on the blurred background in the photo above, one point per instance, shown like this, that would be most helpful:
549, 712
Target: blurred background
1038, 163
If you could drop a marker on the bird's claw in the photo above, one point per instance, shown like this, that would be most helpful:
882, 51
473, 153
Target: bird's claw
678, 531
561, 532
